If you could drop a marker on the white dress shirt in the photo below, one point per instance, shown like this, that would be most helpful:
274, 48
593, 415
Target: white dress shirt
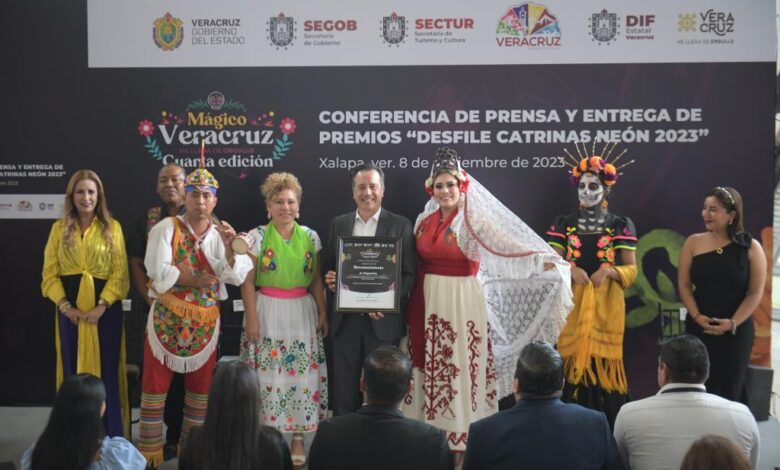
366, 229
656, 433
164, 274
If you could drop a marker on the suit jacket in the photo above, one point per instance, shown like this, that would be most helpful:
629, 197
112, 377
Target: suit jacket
392, 327
542, 434
378, 437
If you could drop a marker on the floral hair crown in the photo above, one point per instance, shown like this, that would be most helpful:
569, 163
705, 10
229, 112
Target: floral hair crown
606, 170
447, 160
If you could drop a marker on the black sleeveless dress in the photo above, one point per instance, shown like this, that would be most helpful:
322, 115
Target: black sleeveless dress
720, 283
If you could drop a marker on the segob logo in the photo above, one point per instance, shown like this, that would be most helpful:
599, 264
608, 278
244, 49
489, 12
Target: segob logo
394, 29
168, 32
528, 25
281, 30
604, 26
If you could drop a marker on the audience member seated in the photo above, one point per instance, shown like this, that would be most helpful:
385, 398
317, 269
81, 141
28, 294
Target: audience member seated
74, 437
232, 436
714, 453
378, 436
656, 432
540, 431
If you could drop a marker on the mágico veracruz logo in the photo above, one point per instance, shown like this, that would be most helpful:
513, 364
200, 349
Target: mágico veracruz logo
234, 137
528, 25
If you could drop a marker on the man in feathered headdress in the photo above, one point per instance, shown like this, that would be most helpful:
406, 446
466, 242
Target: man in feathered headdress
188, 260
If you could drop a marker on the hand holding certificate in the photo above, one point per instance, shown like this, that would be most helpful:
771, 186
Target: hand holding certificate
368, 274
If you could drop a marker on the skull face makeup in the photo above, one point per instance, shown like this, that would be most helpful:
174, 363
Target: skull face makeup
590, 190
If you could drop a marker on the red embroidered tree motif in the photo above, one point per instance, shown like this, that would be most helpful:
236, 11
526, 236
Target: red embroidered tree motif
457, 438
474, 341
439, 369
408, 398
490, 375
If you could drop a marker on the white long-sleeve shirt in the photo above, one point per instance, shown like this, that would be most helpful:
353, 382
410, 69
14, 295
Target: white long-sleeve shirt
164, 274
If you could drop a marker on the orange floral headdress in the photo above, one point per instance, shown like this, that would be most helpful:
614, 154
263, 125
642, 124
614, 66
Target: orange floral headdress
599, 165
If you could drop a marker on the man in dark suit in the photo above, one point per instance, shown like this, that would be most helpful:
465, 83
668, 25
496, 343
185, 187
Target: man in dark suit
378, 436
540, 431
355, 335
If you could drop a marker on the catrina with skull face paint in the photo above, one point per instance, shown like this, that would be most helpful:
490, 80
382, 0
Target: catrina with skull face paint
600, 246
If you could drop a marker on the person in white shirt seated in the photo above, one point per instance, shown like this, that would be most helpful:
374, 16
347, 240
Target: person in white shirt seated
74, 437
655, 433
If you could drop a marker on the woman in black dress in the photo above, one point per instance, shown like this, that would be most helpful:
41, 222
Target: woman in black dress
600, 246
721, 280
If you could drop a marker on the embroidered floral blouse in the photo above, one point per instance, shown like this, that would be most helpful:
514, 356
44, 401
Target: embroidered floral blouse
590, 251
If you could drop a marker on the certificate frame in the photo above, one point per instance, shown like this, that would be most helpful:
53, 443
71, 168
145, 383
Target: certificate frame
368, 275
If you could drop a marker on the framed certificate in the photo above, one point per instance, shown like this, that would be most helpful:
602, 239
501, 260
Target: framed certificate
368, 274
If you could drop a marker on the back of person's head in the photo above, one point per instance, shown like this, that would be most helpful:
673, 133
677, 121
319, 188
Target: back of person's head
387, 372
75, 430
715, 453
231, 434
539, 371
686, 359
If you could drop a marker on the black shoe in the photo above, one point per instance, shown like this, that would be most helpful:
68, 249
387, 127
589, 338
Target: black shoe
169, 452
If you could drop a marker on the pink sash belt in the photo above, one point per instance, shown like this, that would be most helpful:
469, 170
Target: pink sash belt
278, 293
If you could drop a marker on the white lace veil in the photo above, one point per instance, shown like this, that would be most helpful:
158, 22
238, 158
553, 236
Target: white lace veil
525, 302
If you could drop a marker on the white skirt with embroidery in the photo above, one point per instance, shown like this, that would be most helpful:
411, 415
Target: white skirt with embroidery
458, 383
289, 358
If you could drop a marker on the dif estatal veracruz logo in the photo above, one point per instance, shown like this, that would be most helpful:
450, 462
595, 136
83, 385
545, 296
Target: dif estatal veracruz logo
234, 136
